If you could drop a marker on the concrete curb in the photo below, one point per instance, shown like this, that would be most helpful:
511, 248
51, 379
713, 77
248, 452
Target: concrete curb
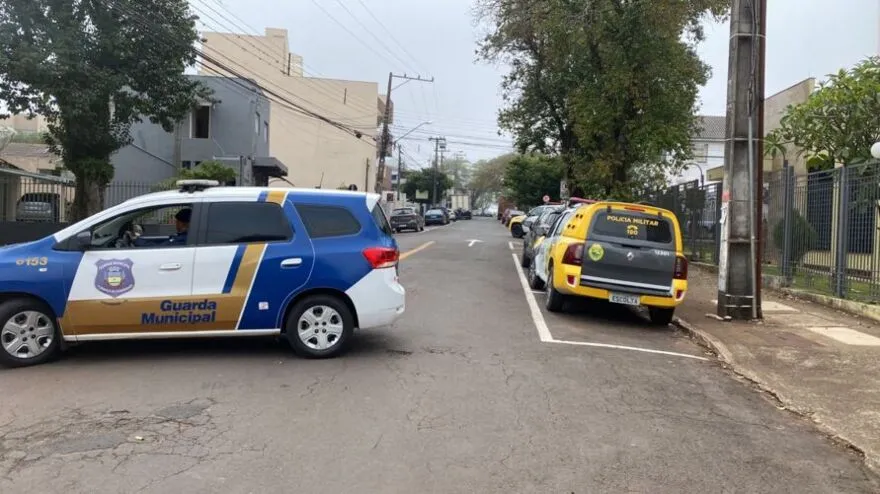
724, 354
860, 309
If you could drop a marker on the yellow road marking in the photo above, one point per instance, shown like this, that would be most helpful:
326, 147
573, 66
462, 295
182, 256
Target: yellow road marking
417, 249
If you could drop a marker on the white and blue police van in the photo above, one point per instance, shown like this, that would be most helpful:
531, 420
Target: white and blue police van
310, 265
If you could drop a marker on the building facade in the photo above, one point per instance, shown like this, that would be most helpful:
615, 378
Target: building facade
708, 148
234, 129
316, 153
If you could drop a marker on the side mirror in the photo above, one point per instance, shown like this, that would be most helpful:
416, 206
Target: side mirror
83, 240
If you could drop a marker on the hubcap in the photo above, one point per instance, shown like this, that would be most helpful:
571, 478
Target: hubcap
27, 334
320, 327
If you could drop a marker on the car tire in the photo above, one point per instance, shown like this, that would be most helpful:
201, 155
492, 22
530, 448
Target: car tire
555, 300
661, 316
524, 260
307, 335
516, 231
535, 283
37, 324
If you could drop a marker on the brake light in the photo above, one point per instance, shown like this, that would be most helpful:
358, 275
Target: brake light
382, 257
574, 255
681, 268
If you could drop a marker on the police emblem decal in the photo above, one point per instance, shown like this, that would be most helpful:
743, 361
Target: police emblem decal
114, 276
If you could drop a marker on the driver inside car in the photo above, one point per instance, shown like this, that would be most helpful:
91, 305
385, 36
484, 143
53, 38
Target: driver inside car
181, 224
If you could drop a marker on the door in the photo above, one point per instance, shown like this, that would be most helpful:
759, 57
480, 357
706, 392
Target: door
250, 258
127, 284
630, 251
543, 251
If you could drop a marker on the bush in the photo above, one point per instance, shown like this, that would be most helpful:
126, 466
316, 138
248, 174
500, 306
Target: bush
802, 237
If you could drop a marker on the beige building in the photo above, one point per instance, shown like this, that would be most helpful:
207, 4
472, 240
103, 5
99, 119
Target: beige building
315, 152
774, 109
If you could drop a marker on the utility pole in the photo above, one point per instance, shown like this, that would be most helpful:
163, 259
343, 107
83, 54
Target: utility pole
385, 138
399, 168
739, 270
438, 142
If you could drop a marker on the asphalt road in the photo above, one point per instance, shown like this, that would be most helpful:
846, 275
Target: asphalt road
461, 395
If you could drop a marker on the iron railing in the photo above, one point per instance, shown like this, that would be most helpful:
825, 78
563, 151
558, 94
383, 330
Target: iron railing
818, 231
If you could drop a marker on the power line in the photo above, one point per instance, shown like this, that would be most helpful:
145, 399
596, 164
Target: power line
381, 43
390, 34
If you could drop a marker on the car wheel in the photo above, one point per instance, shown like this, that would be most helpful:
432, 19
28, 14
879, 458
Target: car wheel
535, 283
319, 326
524, 260
555, 300
661, 316
29, 333
516, 231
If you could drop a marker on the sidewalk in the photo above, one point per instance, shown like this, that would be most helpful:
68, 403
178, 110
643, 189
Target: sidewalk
820, 363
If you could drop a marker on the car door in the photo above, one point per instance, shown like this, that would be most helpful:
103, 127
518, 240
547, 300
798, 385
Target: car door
545, 248
251, 255
122, 289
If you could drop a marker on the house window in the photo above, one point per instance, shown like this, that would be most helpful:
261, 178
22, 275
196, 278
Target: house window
257, 124
266, 132
701, 152
201, 123
186, 165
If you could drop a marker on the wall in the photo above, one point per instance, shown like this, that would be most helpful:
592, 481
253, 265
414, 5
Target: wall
308, 147
22, 123
774, 109
714, 159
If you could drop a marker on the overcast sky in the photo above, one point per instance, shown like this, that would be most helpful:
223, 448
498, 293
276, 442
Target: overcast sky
806, 38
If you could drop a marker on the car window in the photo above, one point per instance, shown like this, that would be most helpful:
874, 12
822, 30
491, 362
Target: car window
381, 220
434, 211
328, 221
155, 223
560, 223
402, 211
632, 226
549, 218
244, 222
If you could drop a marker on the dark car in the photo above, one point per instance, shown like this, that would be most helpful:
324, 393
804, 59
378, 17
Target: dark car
537, 229
407, 219
436, 216
464, 214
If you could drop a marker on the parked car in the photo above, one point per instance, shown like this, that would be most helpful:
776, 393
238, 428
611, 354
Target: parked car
537, 230
451, 214
406, 219
519, 225
233, 267
38, 206
620, 252
436, 217
464, 214
509, 214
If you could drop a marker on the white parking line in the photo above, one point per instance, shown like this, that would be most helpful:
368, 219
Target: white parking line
546, 337
510, 244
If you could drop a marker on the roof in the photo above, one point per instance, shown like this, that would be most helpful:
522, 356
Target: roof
26, 150
712, 128
248, 192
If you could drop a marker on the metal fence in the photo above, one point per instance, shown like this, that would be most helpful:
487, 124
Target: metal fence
818, 231
32, 207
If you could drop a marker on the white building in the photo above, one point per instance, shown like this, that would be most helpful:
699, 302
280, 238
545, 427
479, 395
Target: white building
708, 146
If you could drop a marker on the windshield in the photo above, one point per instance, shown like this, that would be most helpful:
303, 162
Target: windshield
435, 211
402, 211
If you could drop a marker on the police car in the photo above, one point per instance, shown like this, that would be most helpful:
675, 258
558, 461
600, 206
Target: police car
205, 261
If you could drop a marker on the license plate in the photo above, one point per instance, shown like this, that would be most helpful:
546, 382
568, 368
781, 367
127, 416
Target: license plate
620, 298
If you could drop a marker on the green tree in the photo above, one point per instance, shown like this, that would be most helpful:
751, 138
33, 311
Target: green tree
423, 180
839, 121
92, 69
460, 169
609, 85
528, 178
206, 170
488, 179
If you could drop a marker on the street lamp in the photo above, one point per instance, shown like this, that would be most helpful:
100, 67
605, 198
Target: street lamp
400, 153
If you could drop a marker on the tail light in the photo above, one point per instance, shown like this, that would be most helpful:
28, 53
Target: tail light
681, 268
382, 257
574, 255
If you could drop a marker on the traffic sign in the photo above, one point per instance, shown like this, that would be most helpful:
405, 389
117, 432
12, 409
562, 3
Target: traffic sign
546, 199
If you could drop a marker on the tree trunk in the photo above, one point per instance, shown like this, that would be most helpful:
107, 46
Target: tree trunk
88, 198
